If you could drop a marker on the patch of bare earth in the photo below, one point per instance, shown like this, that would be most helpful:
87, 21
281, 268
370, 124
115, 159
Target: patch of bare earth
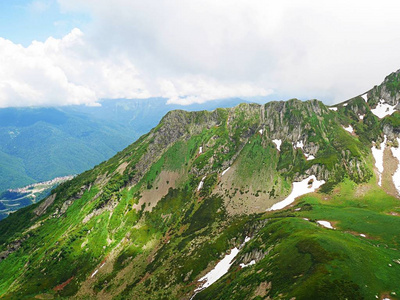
263, 289
121, 168
390, 164
165, 181
362, 190
245, 200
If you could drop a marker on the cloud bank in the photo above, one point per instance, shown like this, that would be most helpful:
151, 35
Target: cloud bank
195, 51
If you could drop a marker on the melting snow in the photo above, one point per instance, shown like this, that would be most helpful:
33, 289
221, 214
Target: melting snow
299, 189
200, 150
94, 273
365, 97
220, 269
349, 129
242, 265
325, 224
225, 171
383, 109
299, 144
309, 156
333, 108
201, 183
396, 175
278, 144
378, 156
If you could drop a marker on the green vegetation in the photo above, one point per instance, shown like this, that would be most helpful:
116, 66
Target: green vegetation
138, 225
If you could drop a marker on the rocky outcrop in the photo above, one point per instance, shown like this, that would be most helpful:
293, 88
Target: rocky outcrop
41, 209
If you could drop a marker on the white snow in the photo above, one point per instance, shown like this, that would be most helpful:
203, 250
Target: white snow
383, 109
260, 131
345, 104
94, 273
361, 117
396, 175
299, 189
325, 224
363, 235
201, 183
278, 144
225, 171
220, 269
378, 156
299, 144
349, 129
200, 150
242, 265
333, 108
309, 156
365, 97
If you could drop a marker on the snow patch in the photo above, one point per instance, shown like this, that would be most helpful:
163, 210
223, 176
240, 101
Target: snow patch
361, 117
299, 144
220, 269
349, 129
200, 150
299, 189
309, 156
383, 109
325, 224
363, 235
242, 265
378, 156
278, 144
396, 175
345, 104
365, 97
225, 171
333, 108
201, 183
94, 273
260, 131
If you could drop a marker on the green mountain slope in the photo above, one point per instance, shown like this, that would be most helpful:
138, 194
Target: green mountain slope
153, 220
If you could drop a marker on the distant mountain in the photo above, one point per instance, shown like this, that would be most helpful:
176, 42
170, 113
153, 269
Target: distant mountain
287, 200
39, 144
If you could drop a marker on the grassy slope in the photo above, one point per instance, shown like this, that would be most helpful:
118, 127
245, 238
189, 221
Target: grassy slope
308, 261
161, 254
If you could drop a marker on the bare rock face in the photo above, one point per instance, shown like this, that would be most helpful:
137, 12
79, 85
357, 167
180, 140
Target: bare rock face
41, 209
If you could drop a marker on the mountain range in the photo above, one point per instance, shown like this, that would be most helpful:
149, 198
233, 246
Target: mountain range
38, 144
287, 200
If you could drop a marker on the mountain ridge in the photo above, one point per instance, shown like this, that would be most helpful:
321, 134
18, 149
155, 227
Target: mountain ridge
159, 215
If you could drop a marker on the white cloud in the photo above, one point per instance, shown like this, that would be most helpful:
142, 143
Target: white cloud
194, 51
63, 71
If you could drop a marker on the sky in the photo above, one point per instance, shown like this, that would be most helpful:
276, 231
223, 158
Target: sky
66, 52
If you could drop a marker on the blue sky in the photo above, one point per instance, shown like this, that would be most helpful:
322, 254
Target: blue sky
194, 51
23, 21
